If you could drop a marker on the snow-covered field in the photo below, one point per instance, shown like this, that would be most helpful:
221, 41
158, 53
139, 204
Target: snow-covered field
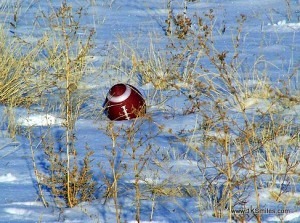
166, 141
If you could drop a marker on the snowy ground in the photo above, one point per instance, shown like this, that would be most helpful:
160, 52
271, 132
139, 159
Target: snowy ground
269, 34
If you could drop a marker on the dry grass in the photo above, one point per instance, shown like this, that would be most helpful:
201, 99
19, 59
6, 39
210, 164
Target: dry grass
61, 68
241, 122
242, 143
31, 74
19, 80
139, 151
67, 60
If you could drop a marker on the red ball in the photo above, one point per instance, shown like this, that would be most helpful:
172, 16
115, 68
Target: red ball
124, 102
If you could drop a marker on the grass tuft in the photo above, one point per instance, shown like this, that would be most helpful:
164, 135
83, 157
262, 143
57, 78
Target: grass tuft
19, 79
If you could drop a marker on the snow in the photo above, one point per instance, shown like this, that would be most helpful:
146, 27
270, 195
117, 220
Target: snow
284, 25
39, 120
175, 135
7, 178
288, 217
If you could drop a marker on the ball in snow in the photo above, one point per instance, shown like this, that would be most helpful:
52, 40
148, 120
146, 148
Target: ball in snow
124, 102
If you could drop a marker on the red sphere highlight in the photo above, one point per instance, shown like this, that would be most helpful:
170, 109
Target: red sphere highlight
124, 102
